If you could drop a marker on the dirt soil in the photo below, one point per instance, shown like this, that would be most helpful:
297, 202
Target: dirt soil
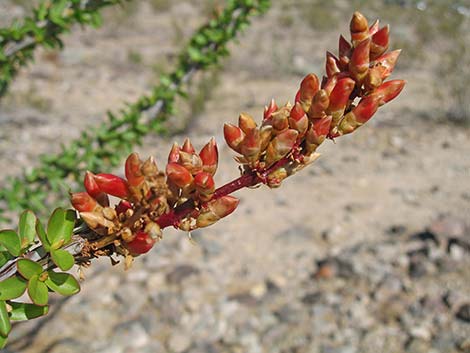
367, 250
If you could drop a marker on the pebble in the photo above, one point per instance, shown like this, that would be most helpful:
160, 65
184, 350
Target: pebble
448, 227
259, 290
418, 346
418, 267
396, 230
179, 342
463, 312
421, 332
131, 335
179, 273
311, 298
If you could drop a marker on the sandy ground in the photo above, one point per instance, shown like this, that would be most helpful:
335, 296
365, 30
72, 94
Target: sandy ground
333, 261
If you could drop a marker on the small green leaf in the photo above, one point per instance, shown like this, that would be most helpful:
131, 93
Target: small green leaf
12, 288
11, 241
26, 228
37, 291
42, 235
60, 226
4, 257
63, 259
62, 283
3, 341
5, 324
28, 269
25, 311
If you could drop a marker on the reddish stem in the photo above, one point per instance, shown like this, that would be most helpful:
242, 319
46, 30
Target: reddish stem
246, 180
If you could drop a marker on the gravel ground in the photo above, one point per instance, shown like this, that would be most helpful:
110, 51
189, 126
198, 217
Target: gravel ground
365, 251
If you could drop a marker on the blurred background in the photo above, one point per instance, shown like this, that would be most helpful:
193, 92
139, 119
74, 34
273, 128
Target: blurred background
365, 251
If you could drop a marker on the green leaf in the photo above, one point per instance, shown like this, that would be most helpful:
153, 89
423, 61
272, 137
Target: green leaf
28, 269
4, 257
26, 228
5, 324
26, 311
12, 288
37, 291
60, 227
63, 259
62, 283
3, 341
42, 235
11, 241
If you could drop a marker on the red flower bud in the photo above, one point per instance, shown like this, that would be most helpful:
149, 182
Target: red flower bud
268, 110
332, 64
318, 132
178, 175
373, 79
280, 146
280, 119
359, 115
233, 136
298, 120
329, 83
374, 27
133, 170
205, 185
339, 97
90, 184
359, 63
308, 88
379, 44
344, 47
191, 161
265, 134
322, 126
246, 123
188, 147
141, 244
149, 167
297, 97
386, 63
94, 190
112, 185
83, 202
389, 90
251, 146
359, 28
366, 108
224, 205
174, 155
319, 105
210, 157
216, 210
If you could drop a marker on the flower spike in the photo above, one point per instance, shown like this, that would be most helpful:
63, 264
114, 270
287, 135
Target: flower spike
184, 194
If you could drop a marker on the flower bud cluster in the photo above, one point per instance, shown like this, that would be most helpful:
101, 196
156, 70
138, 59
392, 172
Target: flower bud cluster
131, 225
190, 174
359, 72
147, 193
347, 97
190, 177
286, 140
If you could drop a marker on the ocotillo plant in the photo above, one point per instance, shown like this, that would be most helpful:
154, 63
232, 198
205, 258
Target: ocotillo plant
108, 143
183, 194
49, 20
